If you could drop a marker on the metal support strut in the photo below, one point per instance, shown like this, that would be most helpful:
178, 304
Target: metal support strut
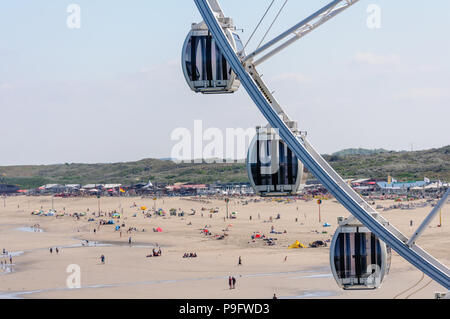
429, 218
301, 29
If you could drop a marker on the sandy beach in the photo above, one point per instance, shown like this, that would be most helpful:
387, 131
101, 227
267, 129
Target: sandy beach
128, 273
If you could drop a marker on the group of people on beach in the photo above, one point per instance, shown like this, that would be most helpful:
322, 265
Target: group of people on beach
232, 282
190, 255
6, 254
133, 229
155, 253
4, 263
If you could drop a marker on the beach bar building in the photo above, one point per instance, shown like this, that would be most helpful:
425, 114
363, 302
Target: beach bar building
8, 189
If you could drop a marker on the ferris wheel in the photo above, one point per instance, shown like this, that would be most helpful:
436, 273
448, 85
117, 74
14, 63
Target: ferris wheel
214, 62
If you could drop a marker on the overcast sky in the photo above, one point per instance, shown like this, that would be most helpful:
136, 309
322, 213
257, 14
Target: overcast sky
113, 90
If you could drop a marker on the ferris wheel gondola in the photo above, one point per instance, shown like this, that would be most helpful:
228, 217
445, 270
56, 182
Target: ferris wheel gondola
204, 66
272, 167
358, 258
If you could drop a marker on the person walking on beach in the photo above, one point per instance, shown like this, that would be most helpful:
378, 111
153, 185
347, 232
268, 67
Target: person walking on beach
102, 258
57, 250
230, 282
234, 282
274, 297
240, 261
129, 241
51, 250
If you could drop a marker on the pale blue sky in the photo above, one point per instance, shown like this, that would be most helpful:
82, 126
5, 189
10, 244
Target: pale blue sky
113, 90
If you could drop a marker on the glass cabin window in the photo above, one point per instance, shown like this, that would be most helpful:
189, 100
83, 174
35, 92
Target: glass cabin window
354, 253
239, 45
287, 171
204, 61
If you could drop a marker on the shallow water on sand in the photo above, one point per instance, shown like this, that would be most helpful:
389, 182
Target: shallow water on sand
30, 229
10, 268
312, 294
315, 276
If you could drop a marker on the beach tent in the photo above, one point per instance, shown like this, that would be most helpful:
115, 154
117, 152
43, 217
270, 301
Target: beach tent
159, 230
297, 244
